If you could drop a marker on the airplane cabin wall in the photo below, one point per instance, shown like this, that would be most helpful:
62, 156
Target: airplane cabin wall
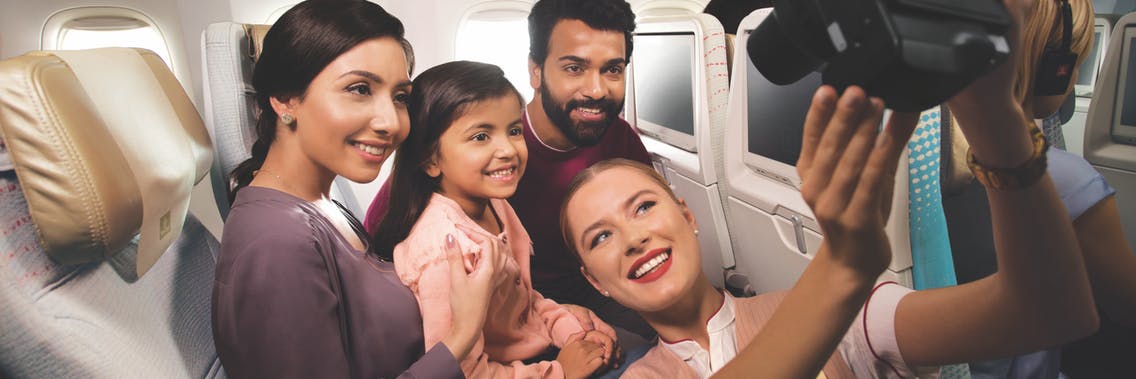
431, 27
21, 25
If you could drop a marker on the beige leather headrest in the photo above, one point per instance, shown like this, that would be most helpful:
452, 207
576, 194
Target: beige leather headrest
106, 145
730, 38
256, 39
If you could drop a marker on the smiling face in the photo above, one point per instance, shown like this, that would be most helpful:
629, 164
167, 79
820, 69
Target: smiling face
353, 114
635, 240
482, 154
581, 84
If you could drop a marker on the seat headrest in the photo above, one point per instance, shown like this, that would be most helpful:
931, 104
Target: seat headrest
730, 39
230, 51
107, 146
256, 39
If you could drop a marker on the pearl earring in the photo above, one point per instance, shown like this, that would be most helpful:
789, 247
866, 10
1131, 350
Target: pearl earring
287, 119
696, 232
605, 293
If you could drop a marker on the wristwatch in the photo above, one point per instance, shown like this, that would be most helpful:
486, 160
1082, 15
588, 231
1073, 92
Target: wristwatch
1022, 176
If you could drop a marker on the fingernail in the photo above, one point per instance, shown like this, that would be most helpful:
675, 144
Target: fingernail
449, 240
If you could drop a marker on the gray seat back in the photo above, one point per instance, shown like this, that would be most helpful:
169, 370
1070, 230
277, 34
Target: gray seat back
1110, 133
230, 51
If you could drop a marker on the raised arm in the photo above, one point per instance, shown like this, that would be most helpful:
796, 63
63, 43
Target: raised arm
1040, 296
848, 172
1110, 261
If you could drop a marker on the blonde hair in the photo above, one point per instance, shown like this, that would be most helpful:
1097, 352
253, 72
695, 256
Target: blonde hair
1043, 29
585, 176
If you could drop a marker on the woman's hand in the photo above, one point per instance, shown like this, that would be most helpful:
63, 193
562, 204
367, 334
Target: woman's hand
470, 293
847, 171
604, 335
580, 356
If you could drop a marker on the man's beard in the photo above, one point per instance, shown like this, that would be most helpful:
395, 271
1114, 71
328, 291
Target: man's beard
581, 133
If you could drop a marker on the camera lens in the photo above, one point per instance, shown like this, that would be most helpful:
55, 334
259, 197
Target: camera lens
776, 56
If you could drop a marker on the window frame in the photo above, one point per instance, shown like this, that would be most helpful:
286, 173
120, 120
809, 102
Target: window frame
485, 6
54, 27
654, 8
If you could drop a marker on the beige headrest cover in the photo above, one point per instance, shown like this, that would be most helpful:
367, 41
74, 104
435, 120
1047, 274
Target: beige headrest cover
730, 40
256, 39
106, 145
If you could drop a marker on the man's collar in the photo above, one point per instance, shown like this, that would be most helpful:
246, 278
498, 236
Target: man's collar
536, 133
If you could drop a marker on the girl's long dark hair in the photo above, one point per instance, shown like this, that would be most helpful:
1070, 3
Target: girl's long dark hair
299, 45
440, 96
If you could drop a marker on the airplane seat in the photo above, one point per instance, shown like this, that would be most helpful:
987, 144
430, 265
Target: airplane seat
1073, 127
731, 35
775, 234
730, 38
1110, 129
229, 53
681, 121
103, 272
729, 56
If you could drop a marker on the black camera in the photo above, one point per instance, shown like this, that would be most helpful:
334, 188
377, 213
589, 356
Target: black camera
914, 54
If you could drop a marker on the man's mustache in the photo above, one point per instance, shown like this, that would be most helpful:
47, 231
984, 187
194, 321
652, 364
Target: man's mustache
606, 105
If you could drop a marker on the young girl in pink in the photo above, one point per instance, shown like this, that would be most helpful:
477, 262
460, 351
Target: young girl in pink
463, 157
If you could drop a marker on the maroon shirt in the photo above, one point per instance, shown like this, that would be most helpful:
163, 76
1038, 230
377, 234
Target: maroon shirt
542, 190
293, 299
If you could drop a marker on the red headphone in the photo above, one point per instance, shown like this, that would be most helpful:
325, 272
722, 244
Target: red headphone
1057, 65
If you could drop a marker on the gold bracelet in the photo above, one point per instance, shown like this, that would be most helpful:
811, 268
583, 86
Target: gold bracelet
1023, 176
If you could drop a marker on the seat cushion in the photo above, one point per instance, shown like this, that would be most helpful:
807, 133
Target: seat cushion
86, 321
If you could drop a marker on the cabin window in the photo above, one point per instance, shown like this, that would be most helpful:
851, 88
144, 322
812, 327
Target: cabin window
95, 27
497, 32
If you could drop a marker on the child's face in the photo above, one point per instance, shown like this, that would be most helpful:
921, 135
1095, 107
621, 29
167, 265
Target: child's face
635, 241
482, 155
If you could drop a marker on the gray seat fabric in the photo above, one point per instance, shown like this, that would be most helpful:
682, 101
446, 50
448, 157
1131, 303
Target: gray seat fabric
85, 320
230, 51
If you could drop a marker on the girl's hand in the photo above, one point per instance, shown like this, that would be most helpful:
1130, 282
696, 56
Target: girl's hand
580, 357
847, 171
604, 334
470, 293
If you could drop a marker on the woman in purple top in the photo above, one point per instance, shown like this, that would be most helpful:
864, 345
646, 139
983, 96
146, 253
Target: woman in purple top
297, 293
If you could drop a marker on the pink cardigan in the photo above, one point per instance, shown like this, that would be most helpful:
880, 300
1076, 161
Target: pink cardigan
870, 345
521, 324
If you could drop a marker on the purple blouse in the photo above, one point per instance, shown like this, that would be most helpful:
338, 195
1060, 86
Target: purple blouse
292, 298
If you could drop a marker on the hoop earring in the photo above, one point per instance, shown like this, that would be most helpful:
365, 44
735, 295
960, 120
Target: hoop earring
287, 119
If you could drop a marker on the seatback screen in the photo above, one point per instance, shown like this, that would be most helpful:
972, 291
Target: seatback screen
1088, 69
777, 114
1128, 89
664, 77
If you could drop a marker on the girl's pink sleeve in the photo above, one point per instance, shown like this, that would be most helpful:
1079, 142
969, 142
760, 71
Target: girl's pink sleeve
420, 261
433, 293
560, 322
482, 367
426, 267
